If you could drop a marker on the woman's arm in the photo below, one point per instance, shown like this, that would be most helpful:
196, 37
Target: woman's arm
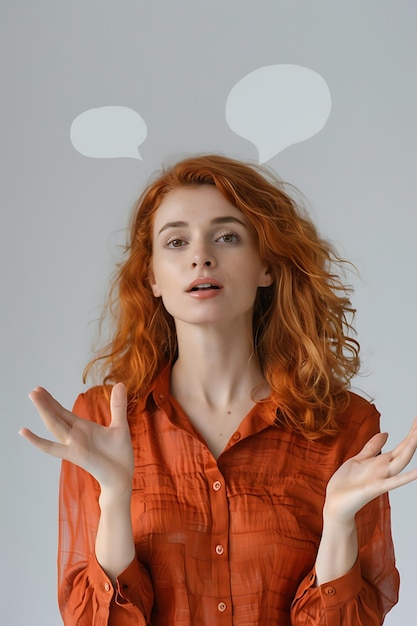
338, 549
364, 594
358, 481
354, 579
99, 575
114, 546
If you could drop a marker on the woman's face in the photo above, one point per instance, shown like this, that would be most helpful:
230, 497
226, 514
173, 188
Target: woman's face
205, 264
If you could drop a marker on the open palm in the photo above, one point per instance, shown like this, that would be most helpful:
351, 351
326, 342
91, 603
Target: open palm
104, 452
370, 474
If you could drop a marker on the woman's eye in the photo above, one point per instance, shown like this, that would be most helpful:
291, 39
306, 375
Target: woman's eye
229, 237
175, 243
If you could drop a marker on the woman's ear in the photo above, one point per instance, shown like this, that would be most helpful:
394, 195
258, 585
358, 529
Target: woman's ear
154, 285
267, 278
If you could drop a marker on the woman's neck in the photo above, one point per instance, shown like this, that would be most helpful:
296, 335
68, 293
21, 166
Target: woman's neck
217, 367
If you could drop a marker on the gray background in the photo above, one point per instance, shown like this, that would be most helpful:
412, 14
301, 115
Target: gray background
63, 215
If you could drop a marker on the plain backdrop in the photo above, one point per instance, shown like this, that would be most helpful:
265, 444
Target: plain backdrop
63, 215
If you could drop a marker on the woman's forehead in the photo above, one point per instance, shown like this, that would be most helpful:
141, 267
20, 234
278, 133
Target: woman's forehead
196, 202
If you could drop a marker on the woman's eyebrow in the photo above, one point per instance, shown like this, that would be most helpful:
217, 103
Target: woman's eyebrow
227, 219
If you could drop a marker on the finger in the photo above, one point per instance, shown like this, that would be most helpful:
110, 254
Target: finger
45, 445
56, 418
44, 400
118, 405
373, 447
399, 480
403, 453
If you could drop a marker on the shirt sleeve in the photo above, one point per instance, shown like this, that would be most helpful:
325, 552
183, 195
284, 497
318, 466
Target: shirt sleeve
365, 594
86, 595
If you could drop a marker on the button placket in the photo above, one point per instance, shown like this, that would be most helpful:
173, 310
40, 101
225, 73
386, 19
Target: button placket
219, 546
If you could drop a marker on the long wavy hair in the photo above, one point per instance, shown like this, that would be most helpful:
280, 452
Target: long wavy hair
302, 323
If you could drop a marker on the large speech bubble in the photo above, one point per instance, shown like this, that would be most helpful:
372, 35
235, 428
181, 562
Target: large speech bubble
108, 132
276, 106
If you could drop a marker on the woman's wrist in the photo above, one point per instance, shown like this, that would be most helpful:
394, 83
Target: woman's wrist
338, 549
333, 517
112, 496
115, 548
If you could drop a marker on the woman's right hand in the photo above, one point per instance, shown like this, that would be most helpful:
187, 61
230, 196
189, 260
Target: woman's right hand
104, 452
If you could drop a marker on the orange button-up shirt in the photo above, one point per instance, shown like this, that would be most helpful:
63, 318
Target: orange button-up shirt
230, 542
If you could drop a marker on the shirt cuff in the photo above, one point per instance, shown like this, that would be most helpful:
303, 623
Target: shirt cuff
128, 581
133, 587
337, 592
99, 580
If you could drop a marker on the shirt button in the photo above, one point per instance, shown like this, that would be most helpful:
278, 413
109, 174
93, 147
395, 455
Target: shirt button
161, 396
217, 485
106, 586
330, 591
219, 549
236, 436
222, 607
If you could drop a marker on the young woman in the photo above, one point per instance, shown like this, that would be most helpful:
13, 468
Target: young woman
228, 477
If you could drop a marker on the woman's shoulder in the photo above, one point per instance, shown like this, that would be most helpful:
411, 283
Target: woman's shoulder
359, 401
359, 409
357, 423
94, 404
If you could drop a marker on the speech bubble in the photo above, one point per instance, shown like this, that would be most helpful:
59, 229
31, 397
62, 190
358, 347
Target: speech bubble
276, 106
108, 132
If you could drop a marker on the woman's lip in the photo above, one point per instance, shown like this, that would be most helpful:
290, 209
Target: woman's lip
204, 294
206, 280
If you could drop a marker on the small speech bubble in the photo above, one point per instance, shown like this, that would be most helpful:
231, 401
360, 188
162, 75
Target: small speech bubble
108, 132
276, 106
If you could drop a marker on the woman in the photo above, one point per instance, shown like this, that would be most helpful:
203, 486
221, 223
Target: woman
228, 477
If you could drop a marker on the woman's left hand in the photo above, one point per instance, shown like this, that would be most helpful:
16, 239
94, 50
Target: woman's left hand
369, 474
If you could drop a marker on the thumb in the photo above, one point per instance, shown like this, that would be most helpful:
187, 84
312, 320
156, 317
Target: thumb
372, 447
118, 405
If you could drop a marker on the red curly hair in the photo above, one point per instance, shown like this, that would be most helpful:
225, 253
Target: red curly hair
302, 322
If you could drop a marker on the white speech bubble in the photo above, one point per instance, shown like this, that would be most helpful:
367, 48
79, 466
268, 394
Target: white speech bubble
108, 132
276, 106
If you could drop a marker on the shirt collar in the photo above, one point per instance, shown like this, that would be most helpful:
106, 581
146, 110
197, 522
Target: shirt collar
262, 414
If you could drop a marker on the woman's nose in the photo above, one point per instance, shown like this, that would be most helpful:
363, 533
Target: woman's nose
202, 257
197, 263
